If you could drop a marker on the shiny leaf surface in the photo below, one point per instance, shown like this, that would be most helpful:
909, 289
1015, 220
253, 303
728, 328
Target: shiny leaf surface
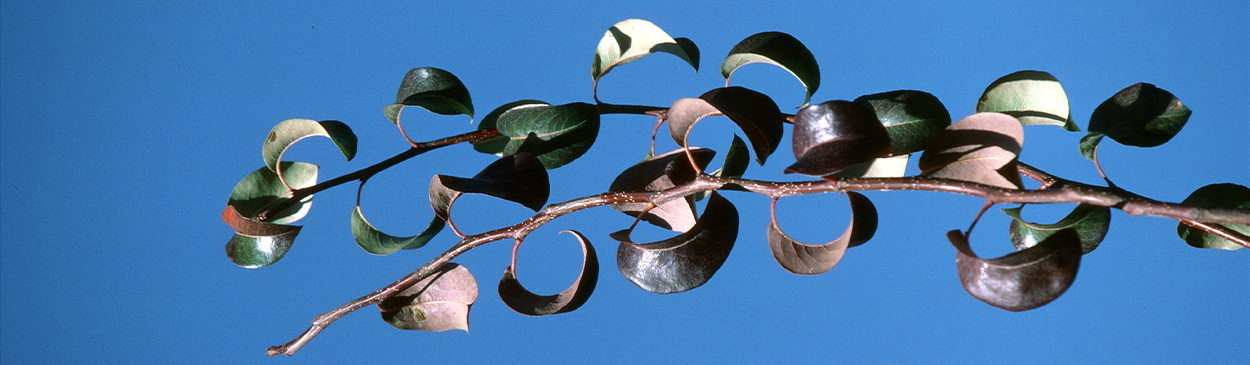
1022, 280
804, 259
1225, 195
1089, 222
1033, 97
290, 131
634, 39
683, 262
911, 118
433, 89
981, 148
257, 244
525, 302
262, 188
556, 135
495, 145
835, 135
1141, 115
659, 173
518, 178
779, 49
437, 303
755, 113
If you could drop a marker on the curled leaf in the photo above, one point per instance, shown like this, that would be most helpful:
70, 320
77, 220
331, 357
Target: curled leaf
779, 49
377, 242
911, 118
633, 39
262, 189
1141, 115
518, 178
556, 135
659, 173
755, 113
683, 262
804, 259
895, 166
1033, 97
525, 302
835, 135
290, 131
1225, 195
1090, 223
440, 302
981, 148
257, 244
433, 89
1022, 280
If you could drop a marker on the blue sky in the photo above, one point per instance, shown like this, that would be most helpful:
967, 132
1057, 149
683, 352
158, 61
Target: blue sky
126, 124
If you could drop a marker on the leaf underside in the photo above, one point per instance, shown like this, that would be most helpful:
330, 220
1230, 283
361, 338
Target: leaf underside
525, 302
437, 303
804, 259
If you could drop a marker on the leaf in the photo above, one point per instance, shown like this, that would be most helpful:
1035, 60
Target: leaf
290, 131
433, 89
895, 166
683, 262
495, 145
659, 173
437, 303
518, 178
755, 113
257, 244
981, 148
556, 135
1021, 280
804, 259
1141, 115
1090, 223
1033, 97
378, 243
779, 49
1225, 195
736, 160
911, 118
633, 39
525, 302
835, 135
262, 188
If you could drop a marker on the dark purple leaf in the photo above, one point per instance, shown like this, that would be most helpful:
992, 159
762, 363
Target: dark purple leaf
525, 302
755, 113
659, 173
683, 262
835, 135
1021, 280
518, 178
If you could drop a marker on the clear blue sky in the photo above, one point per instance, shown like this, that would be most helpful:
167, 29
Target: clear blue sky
126, 124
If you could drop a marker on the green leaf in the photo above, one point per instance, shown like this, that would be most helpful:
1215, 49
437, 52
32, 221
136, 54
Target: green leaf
556, 135
686, 261
378, 243
435, 90
257, 244
755, 113
262, 188
1033, 97
911, 118
1231, 196
1090, 223
804, 259
779, 49
981, 148
1141, 115
835, 135
525, 302
633, 39
895, 166
290, 131
440, 302
1021, 280
495, 145
736, 160
659, 173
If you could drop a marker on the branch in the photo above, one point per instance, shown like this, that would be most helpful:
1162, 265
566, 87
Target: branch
1056, 191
